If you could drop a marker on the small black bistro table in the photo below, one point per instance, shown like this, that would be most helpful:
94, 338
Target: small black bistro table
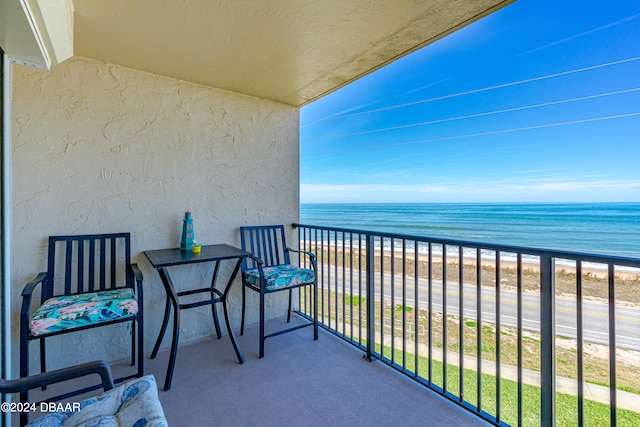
161, 259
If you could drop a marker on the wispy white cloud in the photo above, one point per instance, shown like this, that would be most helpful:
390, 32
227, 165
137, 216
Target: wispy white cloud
478, 191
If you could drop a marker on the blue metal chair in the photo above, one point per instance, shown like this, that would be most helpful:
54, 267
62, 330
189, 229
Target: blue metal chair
270, 270
23, 385
89, 283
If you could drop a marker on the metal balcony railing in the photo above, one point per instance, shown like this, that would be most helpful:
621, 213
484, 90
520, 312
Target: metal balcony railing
514, 334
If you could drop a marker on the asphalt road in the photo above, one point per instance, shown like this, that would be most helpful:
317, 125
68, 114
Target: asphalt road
595, 315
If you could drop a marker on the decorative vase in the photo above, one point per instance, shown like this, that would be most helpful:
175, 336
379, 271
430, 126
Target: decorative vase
186, 243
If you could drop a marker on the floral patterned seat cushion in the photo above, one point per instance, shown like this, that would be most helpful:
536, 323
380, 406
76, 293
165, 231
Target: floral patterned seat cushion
132, 404
74, 311
280, 276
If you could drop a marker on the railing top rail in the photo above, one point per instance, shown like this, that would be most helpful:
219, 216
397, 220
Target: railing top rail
541, 252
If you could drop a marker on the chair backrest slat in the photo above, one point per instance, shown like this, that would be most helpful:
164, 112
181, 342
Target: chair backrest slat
92, 266
112, 243
72, 263
80, 267
67, 267
266, 242
103, 262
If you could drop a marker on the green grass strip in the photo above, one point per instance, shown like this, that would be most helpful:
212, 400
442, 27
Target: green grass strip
595, 413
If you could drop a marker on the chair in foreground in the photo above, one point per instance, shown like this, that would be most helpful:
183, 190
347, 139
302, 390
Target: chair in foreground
270, 270
89, 283
133, 403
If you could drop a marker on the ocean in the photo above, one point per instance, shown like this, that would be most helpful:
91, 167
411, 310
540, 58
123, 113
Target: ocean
601, 228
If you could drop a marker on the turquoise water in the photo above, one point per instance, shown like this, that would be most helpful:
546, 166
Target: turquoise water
602, 228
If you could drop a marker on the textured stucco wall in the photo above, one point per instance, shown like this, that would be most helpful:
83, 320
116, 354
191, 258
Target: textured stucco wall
102, 148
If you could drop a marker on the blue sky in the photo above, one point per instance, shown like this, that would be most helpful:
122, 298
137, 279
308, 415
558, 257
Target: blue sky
538, 102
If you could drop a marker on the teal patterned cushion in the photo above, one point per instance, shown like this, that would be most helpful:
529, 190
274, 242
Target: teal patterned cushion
132, 404
74, 311
280, 276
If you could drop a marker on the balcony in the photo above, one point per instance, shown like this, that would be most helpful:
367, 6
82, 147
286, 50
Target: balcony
543, 337
537, 365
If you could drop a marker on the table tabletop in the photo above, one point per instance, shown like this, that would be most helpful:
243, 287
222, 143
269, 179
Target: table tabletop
167, 257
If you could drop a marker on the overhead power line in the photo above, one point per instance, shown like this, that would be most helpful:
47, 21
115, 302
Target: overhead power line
497, 132
472, 116
438, 98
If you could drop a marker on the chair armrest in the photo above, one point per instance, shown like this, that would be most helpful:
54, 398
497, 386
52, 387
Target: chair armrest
257, 260
311, 255
137, 273
20, 385
31, 286
27, 295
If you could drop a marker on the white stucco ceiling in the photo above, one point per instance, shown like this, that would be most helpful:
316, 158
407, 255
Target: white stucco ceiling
291, 51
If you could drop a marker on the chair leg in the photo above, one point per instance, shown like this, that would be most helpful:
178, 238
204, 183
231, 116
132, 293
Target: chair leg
261, 324
289, 311
244, 291
43, 359
136, 331
24, 370
315, 310
140, 345
133, 342
163, 329
43, 356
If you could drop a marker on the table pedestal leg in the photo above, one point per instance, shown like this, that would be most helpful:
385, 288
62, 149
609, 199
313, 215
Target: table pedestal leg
174, 349
231, 334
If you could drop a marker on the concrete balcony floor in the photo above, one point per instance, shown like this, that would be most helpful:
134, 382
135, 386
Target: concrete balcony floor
300, 382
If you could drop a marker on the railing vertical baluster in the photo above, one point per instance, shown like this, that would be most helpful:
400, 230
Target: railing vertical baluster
547, 342
498, 339
404, 302
370, 295
381, 296
430, 304
580, 337
335, 269
613, 405
461, 319
479, 327
444, 318
416, 281
519, 328
360, 289
351, 284
301, 264
344, 285
329, 276
393, 302
306, 235
321, 266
